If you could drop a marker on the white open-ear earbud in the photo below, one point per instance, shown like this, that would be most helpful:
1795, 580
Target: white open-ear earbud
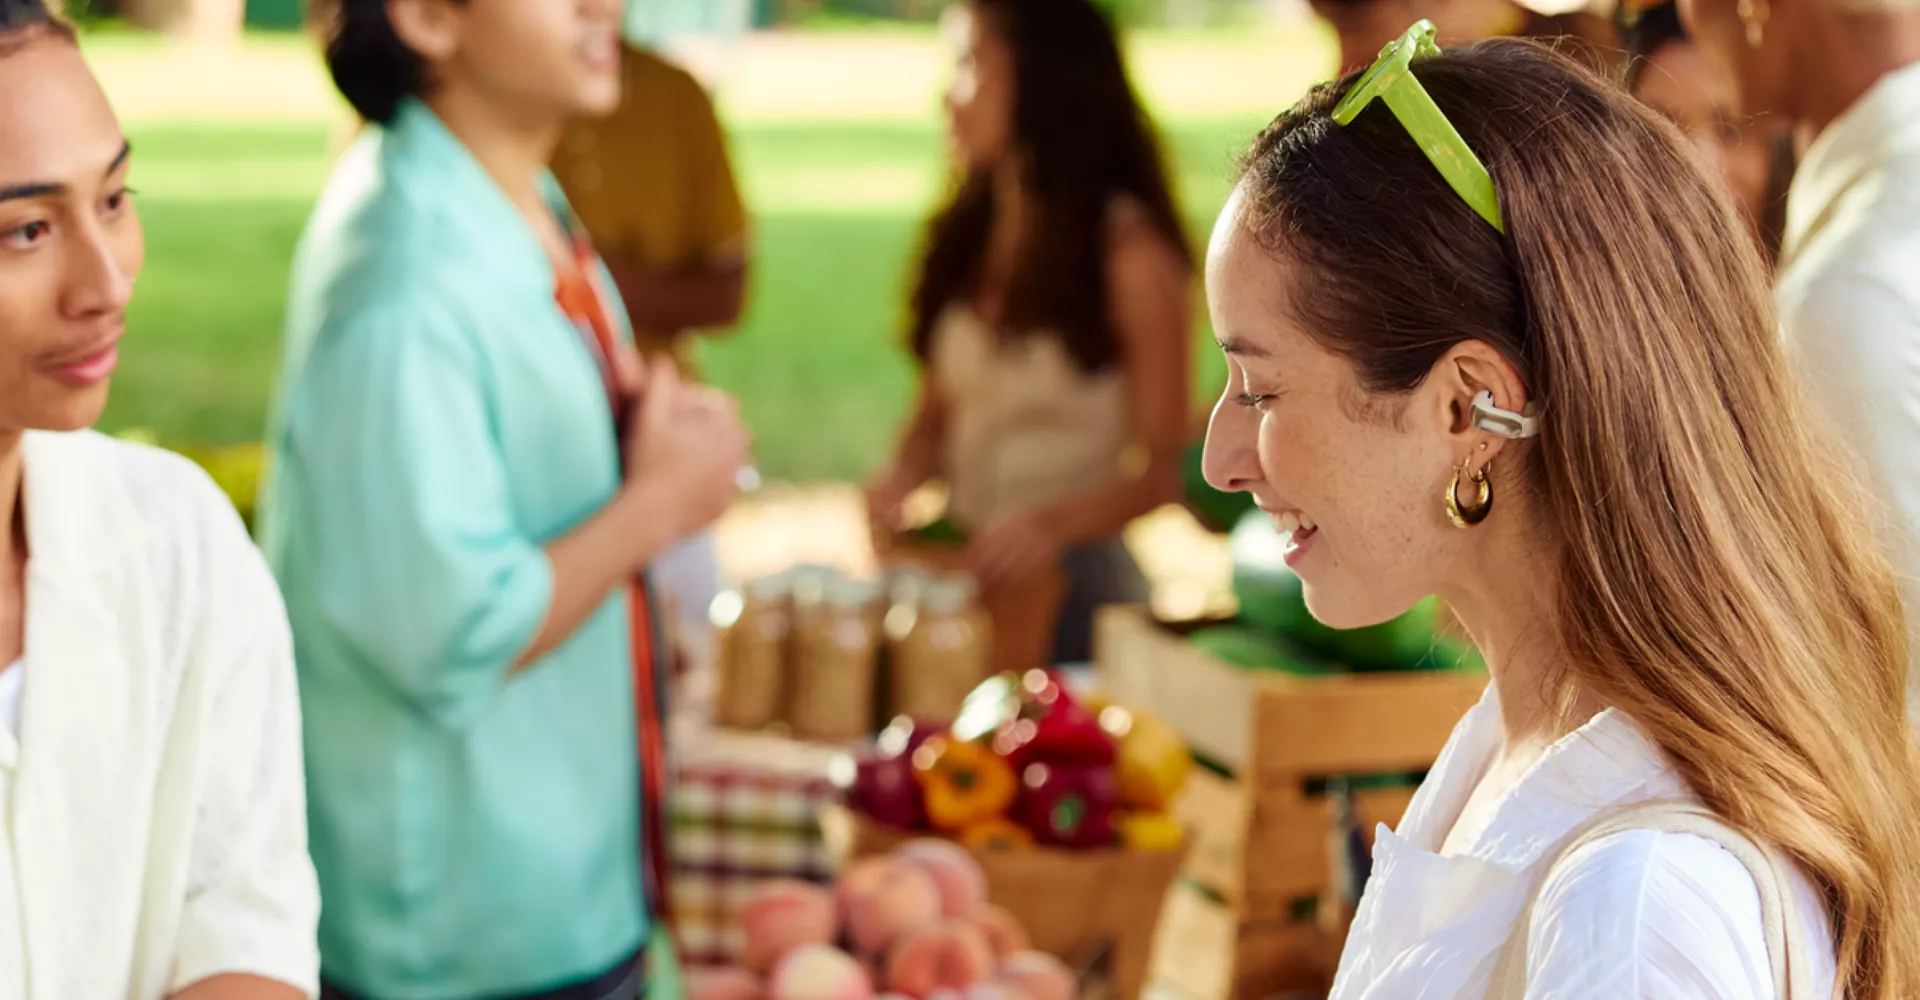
1506, 423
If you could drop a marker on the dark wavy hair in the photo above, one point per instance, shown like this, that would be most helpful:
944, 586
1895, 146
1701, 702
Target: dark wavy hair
370, 64
1087, 140
20, 20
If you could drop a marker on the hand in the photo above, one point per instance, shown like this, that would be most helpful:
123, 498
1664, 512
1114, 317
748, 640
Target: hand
686, 445
1014, 549
886, 504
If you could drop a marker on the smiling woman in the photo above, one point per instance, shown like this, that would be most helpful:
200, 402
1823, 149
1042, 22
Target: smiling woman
146, 675
1519, 353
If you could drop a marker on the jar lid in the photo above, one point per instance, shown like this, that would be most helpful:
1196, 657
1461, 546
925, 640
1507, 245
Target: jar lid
810, 582
771, 587
905, 584
845, 593
950, 593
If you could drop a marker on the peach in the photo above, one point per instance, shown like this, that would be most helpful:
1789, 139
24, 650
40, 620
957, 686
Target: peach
783, 914
994, 991
951, 955
723, 984
818, 972
903, 901
1002, 929
860, 878
1039, 975
963, 886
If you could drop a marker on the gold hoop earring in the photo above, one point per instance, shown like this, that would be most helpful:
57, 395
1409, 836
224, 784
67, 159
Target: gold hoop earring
1753, 16
1467, 515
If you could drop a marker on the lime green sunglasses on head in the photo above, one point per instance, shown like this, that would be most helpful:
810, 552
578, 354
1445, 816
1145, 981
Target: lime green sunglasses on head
1391, 79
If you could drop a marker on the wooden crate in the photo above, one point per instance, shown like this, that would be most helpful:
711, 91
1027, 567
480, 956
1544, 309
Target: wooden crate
1205, 952
1261, 841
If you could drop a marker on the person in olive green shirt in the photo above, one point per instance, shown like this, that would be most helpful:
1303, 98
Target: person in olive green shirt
653, 185
471, 469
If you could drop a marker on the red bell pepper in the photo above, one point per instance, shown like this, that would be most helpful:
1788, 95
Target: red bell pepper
906, 733
1069, 805
882, 787
1052, 728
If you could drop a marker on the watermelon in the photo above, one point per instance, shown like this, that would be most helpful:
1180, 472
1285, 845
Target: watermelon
1255, 649
942, 533
1271, 597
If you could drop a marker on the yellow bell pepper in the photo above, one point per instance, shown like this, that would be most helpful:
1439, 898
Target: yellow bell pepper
1153, 762
1150, 831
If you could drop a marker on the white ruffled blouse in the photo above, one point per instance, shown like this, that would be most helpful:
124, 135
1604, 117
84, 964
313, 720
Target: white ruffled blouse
1638, 915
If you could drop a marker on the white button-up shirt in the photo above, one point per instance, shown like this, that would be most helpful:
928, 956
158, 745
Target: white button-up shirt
1637, 915
1850, 306
152, 813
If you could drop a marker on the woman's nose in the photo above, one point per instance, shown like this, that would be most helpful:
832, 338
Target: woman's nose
1231, 461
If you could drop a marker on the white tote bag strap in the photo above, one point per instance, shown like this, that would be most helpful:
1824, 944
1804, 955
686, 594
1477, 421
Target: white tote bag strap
1779, 910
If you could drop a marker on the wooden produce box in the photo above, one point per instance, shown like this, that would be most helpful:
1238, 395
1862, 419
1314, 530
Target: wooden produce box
1101, 905
1261, 840
1204, 952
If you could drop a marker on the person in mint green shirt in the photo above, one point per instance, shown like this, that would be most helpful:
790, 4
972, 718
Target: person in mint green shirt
470, 470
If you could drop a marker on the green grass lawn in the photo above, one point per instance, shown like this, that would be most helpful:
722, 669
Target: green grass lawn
838, 207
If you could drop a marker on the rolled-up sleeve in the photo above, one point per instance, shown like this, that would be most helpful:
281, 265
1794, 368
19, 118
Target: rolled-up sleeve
252, 902
421, 564
1856, 336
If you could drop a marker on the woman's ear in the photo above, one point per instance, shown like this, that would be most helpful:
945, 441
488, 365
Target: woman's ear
1468, 369
430, 28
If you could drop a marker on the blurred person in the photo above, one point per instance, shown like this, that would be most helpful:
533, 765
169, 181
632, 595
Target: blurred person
471, 471
1363, 27
1846, 75
1051, 313
653, 186
1696, 652
153, 836
1668, 71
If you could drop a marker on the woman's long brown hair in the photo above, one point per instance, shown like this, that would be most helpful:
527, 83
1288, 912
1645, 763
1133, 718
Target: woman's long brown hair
1086, 140
1718, 578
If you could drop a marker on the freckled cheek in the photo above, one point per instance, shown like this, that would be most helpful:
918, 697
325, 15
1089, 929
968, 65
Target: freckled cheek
1296, 463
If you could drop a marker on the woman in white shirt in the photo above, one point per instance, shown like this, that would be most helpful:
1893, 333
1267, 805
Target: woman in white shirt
152, 818
1529, 366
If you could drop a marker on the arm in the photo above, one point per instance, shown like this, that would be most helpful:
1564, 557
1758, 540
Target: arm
915, 461
252, 904
236, 987
1656, 916
424, 567
1151, 305
673, 302
686, 448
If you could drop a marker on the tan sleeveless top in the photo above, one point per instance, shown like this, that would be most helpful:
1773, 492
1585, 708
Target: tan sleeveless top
1026, 427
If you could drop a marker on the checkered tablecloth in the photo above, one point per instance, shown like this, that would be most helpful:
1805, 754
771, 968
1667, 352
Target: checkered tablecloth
745, 809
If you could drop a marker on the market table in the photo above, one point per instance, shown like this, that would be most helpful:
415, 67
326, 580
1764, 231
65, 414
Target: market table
745, 809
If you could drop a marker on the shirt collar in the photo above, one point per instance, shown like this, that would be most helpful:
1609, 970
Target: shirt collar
435, 166
80, 519
1879, 126
1601, 764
